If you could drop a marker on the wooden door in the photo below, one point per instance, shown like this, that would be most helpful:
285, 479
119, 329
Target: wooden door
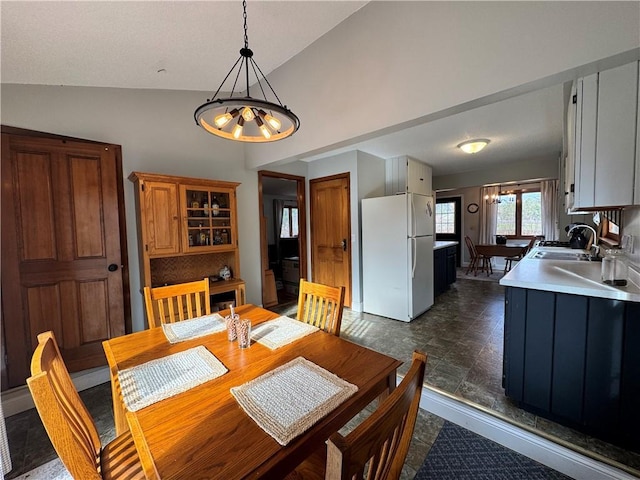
61, 249
331, 232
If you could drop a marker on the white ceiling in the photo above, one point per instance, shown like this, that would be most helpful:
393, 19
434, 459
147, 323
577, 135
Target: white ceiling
189, 45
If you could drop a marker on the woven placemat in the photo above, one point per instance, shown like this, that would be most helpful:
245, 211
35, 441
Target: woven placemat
193, 328
290, 399
281, 331
165, 377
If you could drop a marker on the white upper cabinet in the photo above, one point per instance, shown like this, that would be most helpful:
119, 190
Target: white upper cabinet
606, 130
407, 175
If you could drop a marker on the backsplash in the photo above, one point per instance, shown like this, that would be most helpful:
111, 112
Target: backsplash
631, 223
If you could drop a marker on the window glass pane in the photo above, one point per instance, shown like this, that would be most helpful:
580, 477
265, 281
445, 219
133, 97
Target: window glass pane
294, 222
531, 213
507, 215
446, 217
284, 230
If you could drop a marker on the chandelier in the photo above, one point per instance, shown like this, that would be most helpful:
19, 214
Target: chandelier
244, 118
494, 198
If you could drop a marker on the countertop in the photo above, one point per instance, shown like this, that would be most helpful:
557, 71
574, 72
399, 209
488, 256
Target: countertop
569, 276
438, 244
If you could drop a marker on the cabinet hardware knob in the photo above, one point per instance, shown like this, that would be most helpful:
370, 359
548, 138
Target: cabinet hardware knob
113, 267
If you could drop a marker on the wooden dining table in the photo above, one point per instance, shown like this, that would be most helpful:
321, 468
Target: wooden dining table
509, 250
203, 433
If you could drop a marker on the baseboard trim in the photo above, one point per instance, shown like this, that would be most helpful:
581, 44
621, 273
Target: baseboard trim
543, 450
19, 399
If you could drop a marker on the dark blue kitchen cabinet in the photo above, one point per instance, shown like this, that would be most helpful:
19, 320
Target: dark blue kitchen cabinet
444, 269
575, 360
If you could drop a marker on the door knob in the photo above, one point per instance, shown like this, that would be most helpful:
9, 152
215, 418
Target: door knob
344, 244
113, 267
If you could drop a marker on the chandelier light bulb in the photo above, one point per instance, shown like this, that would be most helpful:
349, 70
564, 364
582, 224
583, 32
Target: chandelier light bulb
247, 114
273, 121
237, 130
223, 119
263, 128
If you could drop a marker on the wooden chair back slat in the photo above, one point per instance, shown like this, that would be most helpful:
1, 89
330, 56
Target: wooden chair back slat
65, 417
381, 442
321, 306
175, 303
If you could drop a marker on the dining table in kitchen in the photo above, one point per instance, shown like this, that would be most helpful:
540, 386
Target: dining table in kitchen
513, 248
510, 249
204, 433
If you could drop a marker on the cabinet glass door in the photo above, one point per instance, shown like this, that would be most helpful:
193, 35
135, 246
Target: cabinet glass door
208, 219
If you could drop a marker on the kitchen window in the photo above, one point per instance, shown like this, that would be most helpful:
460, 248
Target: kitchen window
289, 227
446, 217
520, 214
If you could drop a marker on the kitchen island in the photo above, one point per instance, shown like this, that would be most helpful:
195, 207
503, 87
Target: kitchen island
571, 347
445, 263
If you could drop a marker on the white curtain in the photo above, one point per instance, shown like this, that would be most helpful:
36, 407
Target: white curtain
489, 215
549, 200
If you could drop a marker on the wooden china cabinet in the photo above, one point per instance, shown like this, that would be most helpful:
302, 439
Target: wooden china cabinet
187, 230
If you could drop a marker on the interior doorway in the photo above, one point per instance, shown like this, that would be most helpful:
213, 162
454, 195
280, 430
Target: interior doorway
283, 244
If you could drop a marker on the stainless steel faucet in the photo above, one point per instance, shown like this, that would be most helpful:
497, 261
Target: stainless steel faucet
595, 249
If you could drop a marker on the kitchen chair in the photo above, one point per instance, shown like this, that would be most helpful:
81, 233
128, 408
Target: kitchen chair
379, 444
321, 306
175, 303
70, 425
509, 260
476, 258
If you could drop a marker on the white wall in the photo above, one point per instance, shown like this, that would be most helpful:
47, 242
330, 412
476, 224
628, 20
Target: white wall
399, 62
516, 171
158, 134
367, 179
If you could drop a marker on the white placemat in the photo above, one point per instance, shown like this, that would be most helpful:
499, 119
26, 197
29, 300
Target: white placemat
281, 331
287, 401
165, 377
193, 328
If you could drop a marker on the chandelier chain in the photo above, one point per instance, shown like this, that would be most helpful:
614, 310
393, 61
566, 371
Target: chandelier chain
244, 16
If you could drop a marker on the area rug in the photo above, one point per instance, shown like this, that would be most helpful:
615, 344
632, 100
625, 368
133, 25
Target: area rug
459, 454
497, 274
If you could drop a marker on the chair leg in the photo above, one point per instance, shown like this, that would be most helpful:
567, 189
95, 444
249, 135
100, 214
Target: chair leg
472, 265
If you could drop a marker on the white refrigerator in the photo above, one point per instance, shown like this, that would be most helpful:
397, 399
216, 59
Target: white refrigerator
397, 255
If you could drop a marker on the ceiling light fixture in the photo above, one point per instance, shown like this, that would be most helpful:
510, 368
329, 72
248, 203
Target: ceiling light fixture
258, 120
473, 146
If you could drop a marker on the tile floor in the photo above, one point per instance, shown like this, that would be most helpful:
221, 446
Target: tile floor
461, 333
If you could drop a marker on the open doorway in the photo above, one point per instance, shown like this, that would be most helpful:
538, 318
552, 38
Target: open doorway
283, 244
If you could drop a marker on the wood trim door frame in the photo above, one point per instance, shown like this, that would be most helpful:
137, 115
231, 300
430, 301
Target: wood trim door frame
302, 224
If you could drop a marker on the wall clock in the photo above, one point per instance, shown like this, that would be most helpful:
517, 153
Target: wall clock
472, 208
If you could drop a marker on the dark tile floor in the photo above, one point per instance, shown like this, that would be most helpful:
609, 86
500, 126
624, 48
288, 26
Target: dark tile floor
462, 335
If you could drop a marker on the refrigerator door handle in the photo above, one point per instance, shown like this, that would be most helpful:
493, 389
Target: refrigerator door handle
414, 256
414, 221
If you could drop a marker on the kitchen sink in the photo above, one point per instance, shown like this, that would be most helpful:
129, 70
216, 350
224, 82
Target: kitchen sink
564, 255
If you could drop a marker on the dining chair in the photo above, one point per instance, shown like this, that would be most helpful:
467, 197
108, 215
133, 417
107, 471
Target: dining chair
477, 260
379, 445
321, 306
69, 424
174, 303
508, 261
